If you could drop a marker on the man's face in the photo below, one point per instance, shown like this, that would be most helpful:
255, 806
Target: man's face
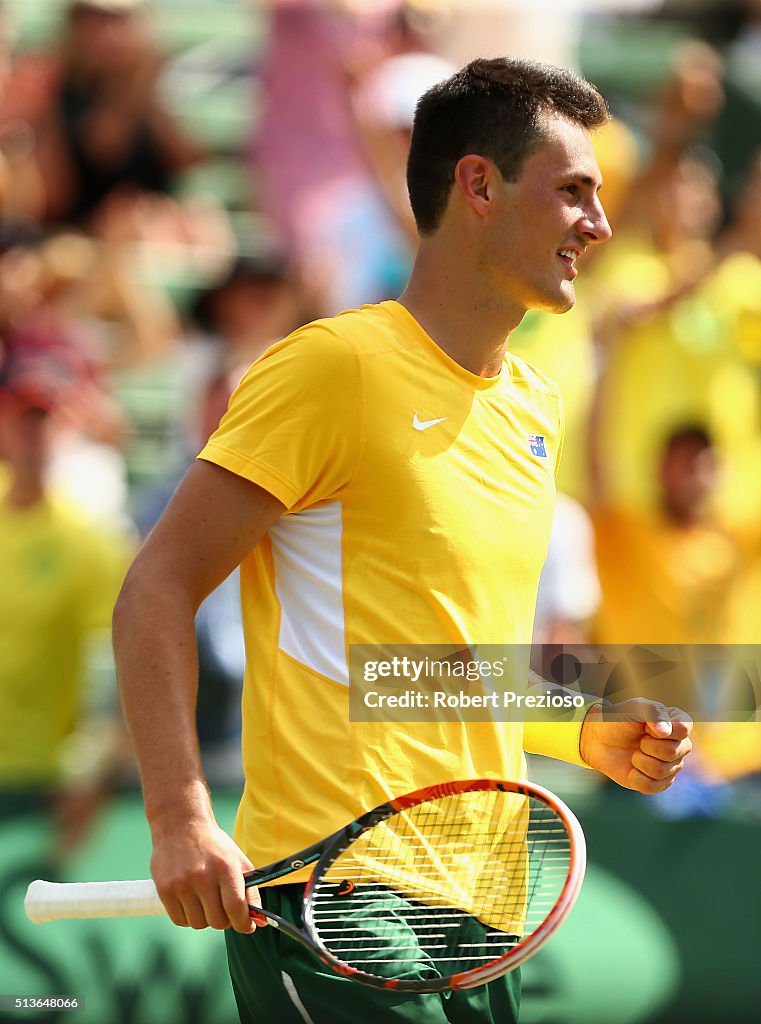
104, 40
546, 219
689, 473
24, 434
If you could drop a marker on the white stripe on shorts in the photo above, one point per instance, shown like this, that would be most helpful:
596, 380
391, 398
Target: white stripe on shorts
290, 988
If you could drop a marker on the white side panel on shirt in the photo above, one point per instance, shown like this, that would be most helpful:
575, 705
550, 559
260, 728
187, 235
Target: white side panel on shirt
308, 581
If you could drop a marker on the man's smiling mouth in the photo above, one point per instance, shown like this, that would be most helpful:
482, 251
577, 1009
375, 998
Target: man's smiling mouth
569, 257
569, 254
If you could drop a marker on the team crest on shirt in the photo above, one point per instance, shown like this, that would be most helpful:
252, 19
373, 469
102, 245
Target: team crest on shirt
536, 445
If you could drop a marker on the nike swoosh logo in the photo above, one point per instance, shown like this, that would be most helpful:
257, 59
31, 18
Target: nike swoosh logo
425, 424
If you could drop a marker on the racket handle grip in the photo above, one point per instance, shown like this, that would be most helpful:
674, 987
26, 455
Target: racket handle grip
54, 901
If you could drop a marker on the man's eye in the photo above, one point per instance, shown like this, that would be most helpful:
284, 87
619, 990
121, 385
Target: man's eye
571, 189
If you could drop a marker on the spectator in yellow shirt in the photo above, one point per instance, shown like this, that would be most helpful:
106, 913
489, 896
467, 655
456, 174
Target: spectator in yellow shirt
59, 576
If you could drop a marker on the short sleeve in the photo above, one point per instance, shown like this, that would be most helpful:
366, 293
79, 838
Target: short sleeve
293, 425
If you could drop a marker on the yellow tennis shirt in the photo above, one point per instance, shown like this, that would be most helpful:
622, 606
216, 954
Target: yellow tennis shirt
420, 498
59, 577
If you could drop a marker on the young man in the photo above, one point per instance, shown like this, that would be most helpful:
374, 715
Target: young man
385, 476
60, 572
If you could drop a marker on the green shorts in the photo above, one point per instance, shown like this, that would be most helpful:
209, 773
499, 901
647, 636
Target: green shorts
277, 981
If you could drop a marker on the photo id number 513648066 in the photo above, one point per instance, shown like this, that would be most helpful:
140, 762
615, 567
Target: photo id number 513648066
37, 1003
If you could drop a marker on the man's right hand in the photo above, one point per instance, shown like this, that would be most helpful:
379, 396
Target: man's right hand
198, 871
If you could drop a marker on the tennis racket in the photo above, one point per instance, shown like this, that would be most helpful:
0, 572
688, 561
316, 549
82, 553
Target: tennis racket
445, 888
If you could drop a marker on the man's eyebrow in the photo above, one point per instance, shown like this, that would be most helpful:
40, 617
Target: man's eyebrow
585, 179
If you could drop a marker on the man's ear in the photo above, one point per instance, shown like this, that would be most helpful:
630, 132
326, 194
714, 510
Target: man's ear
475, 180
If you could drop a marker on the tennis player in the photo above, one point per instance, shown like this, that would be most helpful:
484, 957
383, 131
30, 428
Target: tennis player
384, 476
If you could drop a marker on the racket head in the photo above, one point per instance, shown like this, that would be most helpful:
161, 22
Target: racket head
461, 883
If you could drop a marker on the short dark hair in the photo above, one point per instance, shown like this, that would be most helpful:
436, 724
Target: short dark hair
493, 108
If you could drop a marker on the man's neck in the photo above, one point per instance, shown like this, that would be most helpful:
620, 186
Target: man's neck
683, 518
458, 312
25, 491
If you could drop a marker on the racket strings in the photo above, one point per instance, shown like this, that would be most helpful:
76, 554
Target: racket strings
445, 886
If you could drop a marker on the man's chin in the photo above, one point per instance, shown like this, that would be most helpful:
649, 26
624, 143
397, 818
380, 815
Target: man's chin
561, 302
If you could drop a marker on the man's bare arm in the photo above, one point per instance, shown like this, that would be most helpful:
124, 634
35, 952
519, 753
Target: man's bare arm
211, 524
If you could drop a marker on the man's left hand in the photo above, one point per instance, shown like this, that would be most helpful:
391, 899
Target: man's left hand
640, 744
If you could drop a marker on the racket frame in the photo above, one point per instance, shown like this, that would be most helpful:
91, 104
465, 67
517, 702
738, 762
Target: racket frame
327, 851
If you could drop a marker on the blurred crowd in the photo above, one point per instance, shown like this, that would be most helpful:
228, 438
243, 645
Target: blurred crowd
144, 264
